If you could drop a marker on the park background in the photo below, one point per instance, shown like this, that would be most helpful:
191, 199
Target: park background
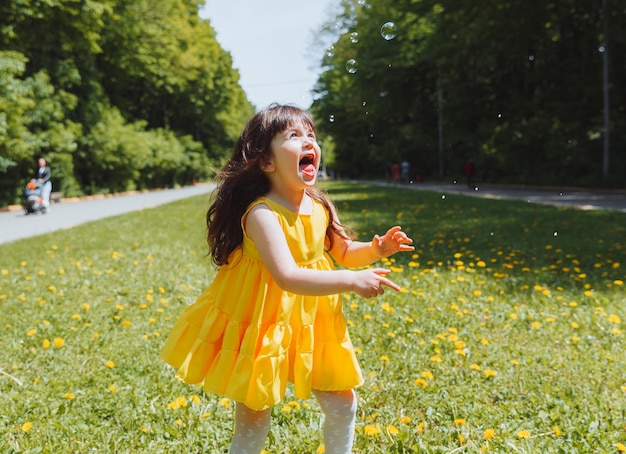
124, 95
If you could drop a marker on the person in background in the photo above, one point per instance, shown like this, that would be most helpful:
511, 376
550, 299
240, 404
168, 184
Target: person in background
273, 314
470, 174
42, 178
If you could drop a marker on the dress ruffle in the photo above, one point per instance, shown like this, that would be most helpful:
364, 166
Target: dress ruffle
245, 338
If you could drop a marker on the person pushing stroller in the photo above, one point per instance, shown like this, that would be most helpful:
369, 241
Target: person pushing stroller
38, 189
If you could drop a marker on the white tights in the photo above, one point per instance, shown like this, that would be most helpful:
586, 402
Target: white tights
339, 407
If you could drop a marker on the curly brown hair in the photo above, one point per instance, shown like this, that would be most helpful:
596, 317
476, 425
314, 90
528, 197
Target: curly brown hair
241, 181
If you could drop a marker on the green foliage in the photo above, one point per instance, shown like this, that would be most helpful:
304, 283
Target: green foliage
507, 335
152, 72
516, 85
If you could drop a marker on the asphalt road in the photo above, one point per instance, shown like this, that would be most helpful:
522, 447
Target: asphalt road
15, 225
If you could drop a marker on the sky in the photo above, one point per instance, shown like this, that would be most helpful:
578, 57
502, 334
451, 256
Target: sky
270, 42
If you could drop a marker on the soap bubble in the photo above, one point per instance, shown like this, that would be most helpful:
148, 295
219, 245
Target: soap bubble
331, 118
388, 31
354, 37
330, 52
351, 66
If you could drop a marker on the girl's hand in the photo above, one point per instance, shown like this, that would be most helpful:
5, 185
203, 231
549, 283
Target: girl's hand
395, 240
369, 283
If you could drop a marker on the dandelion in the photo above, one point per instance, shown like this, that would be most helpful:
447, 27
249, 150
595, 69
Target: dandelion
428, 375
384, 358
392, 430
110, 364
459, 422
112, 388
178, 422
490, 373
31, 332
404, 419
523, 434
475, 367
614, 319
557, 432
371, 430
45, 343
321, 449
225, 403
27, 426
69, 396
421, 382
489, 434
58, 342
621, 447
436, 359
535, 325
386, 307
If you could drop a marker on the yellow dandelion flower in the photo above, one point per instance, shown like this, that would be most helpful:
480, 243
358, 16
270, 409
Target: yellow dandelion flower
69, 396
286, 408
404, 419
31, 332
574, 325
45, 343
420, 427
384, 358
206, 415
459, 422
371, 430
588, 293
475, 367
490, 373
428, 375
112, 388
523, 434
321, 449
195, 399
110, 364
618, 282
489, 434
386, 307
5, 272
294, 404
58, 342
513, 316
225, 403
421, 382
481, 264
535, 325
392, 430
178, 422
557, 432
614, 319
181, 401
436, 359
126, 323
173, 405
621, 447
27, 426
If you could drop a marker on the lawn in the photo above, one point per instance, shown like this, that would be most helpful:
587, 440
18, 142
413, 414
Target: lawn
507, 336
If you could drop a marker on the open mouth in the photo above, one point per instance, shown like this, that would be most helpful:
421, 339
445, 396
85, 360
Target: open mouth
307, 165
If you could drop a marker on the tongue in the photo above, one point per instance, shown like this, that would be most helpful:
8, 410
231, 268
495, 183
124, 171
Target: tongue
308, 169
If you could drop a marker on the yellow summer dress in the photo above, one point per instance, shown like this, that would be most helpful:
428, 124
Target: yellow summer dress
245, 337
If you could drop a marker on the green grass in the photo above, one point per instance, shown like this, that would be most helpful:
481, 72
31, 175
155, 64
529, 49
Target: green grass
509, 324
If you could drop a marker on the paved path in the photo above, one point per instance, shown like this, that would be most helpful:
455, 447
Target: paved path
15, 225
578, 198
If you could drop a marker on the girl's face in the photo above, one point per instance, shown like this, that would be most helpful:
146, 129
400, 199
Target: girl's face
295, 156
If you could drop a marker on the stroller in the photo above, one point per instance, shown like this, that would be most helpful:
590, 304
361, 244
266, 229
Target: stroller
33, 202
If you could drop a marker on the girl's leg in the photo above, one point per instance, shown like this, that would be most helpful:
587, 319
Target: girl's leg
339, 409
251, 428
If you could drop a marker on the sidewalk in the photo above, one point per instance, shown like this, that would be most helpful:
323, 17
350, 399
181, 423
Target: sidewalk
584, 199
15, 225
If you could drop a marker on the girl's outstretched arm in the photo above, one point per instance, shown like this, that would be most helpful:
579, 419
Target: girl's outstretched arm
359, 253
263, 229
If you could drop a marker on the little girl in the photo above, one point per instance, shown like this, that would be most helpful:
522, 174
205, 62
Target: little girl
273, 314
